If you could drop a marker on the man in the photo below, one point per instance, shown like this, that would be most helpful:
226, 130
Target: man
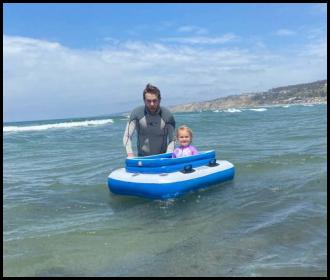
155, 126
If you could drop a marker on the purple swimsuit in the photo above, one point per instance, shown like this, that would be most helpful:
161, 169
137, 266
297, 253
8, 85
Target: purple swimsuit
184, 151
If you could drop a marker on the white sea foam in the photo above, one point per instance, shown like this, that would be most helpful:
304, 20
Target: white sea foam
232, 110
258, 109
64, 125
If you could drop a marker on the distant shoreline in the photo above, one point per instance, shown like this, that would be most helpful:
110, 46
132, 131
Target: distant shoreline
251, 106
257, 106
308, 93
311, 93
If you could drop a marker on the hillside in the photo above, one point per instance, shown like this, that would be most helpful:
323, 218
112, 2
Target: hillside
315, 92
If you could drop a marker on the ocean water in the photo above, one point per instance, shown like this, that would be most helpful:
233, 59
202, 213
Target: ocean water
61, 220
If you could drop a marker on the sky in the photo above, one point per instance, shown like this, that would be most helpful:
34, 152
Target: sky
78, 60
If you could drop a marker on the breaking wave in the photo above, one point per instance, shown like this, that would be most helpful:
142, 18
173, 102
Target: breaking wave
63, 125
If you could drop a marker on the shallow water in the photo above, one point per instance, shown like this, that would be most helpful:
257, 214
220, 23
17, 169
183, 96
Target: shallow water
61, 220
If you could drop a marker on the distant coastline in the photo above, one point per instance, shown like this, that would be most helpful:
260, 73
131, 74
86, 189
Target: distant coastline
308, 93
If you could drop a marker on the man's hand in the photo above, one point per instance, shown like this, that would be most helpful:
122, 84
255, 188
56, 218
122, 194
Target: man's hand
130, 155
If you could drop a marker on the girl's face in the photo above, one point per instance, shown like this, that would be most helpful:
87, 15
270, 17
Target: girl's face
184, 138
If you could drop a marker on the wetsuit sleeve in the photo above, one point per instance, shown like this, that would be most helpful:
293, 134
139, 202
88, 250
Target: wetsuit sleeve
171, 138
127, 139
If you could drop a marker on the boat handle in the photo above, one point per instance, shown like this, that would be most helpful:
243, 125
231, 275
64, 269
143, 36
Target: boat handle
213, 162
187, 169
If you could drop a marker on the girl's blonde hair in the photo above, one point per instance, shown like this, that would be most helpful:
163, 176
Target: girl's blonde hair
186, 128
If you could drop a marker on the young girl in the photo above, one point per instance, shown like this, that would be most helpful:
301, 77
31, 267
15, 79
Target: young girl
184, 136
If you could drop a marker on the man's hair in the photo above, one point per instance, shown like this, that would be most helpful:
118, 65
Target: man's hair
151, 89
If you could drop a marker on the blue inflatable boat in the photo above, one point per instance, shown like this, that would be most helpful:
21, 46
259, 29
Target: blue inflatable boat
162, 177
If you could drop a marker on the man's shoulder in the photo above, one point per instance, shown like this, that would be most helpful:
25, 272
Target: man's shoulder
139, 108
167, 116
166, 112
137, 112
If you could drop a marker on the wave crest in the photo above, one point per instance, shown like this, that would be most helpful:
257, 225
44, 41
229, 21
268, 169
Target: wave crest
63, 125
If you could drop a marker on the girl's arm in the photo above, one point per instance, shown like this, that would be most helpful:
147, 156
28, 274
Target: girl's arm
174, 154
193, 150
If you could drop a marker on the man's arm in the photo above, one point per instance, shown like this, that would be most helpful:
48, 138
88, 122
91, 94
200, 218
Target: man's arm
127, 139
171, 138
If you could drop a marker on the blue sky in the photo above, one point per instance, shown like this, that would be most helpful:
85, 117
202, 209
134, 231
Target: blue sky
71, 60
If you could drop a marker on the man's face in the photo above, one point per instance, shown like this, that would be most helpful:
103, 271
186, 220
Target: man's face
151, 101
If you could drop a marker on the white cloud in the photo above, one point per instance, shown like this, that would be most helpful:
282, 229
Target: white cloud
111, 40
202, 39
48, 80
314, 33
192, 29
285, 32
316, 50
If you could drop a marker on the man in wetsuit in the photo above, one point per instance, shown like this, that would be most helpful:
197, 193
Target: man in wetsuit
155, 126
